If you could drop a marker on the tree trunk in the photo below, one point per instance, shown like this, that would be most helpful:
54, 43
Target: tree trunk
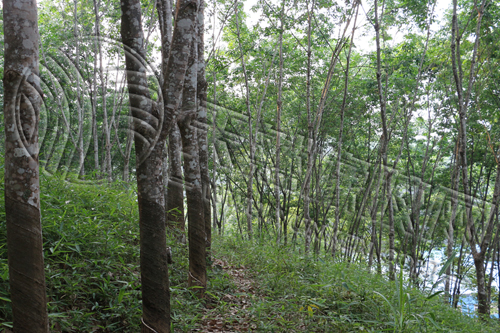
149, 159
310, 126
278, 131
174, 198
22, 103
196, 226
81, 154
250, 131
189, 134
340, 138
463, 102
174, 204
95, 136
483, 306
192, 174
216, 222
203, 127
451, 224
107, 129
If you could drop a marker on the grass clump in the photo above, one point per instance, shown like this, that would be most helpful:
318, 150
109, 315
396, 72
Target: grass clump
307, 293
91, 251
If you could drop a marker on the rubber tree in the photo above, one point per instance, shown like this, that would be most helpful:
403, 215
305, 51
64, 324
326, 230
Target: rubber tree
192, 174
174, 199
151, 127
150, 189
175, 187
22, 103
202, 124
478, 248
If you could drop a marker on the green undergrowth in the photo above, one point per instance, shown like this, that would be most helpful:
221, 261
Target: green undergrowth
300, 293
91, 251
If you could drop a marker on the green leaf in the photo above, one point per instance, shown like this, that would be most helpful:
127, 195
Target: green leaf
447, 263
120, 295
435, 294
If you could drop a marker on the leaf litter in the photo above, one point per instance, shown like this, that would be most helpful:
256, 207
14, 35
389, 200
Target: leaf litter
231, 313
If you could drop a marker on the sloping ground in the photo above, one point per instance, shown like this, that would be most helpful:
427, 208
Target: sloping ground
231, 313
278, 289
91, 256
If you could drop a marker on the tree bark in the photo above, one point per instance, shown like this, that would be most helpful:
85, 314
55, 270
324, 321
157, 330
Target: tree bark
340, 138
106, 128
250, 135
174, 204
174, 199
203, 127
150, 189
81, 154
22, 102
310, 126
95, 136
451, 224
278, 131
463, 102
192, 173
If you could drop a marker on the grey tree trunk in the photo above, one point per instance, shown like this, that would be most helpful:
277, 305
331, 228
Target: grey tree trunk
202, 126
180, 79
250, 131
340, 137
149, 159
216, 222
314, 124
95, 137
80, 148
310, 126
451, 225
214, 141
278, 131
192, 175
463, 102
22, 103
174, 198
174, 204
106, 128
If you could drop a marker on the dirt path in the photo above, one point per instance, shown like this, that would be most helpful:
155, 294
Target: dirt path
230, 314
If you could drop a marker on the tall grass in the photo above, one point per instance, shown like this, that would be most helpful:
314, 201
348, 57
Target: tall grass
310, 293
91, 251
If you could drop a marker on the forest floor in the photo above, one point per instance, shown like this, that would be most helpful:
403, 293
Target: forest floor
230, 314
91, 239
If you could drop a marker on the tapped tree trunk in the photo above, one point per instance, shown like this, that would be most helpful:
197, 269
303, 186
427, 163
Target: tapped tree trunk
149, 160
203, 127
174, 199
175, 187
192, 175
180, 81
22, 102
